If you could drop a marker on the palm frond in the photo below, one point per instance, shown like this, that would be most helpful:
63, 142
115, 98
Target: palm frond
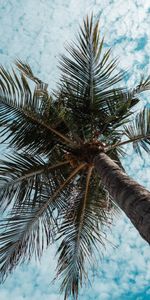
87, 68
24, 235
24, 114
29, 228
138, 132
22, 178
87, 85
88, 212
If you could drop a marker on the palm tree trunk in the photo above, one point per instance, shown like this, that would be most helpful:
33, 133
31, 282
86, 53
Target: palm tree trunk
130, 196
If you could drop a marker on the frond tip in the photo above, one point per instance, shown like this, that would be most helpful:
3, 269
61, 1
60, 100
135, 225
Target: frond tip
25, 69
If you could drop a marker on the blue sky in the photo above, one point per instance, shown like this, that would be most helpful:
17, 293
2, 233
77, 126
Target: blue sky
37, 31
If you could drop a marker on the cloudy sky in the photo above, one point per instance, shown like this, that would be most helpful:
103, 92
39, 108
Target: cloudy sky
37, 31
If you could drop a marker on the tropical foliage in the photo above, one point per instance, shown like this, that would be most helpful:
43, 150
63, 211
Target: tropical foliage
50, 189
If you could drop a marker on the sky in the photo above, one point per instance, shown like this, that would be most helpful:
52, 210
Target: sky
37, 31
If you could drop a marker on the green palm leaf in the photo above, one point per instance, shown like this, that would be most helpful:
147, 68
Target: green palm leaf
22, 178
24, 114
35, 217
26, 235
87, 88
81, 230
138, 132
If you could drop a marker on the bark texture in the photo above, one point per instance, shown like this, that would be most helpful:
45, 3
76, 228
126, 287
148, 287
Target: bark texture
130, 196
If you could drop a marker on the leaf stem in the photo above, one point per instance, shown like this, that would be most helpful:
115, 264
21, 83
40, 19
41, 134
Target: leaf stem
84, 202
39, 171
135, 139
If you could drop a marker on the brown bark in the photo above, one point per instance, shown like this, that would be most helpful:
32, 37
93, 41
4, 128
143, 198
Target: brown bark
130, 196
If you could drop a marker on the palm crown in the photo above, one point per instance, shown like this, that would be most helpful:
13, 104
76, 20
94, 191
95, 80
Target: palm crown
50, 189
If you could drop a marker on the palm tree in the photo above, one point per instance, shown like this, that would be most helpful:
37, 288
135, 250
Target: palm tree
63, 178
